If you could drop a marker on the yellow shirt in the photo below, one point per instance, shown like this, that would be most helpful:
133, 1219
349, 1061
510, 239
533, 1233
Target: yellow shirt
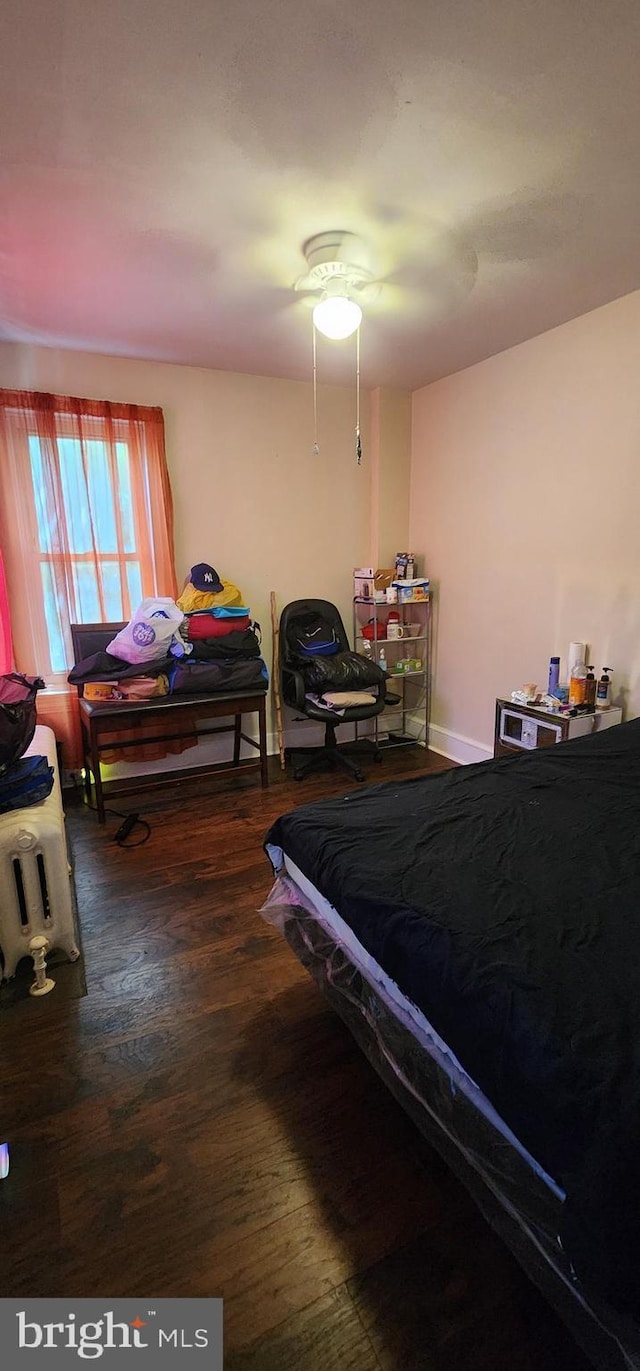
192, 599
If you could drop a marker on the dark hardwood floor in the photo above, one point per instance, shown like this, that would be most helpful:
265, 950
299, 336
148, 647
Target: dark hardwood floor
200, 1123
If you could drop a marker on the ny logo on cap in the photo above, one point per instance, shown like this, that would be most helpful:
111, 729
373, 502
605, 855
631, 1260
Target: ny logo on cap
208, 576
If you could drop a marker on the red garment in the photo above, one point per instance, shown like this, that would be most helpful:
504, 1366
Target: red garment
209, 626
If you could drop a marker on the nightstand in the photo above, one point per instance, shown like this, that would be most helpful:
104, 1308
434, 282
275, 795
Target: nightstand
519, 728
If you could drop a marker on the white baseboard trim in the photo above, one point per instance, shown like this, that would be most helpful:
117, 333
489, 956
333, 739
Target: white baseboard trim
456, 747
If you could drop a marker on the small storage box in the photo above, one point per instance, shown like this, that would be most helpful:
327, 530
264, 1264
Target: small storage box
417, 589
99, 690
363, 582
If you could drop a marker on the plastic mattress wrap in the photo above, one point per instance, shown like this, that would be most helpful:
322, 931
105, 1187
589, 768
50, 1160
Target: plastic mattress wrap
512, 1195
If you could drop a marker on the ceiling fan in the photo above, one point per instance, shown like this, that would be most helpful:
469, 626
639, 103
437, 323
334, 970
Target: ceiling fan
338, 281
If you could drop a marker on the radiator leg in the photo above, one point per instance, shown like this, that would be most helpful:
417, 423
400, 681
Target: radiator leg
68, 945
43, 984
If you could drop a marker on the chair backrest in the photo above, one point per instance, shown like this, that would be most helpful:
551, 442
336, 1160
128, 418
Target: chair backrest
295, 612
86, 639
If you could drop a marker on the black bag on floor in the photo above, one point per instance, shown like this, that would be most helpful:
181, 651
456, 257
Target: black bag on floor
17, 715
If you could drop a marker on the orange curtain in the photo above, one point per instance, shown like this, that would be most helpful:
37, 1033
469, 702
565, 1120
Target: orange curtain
6, 653
86, 527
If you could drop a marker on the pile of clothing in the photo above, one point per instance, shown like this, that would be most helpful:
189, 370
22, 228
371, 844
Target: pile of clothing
224, 643
203, 643
335, 680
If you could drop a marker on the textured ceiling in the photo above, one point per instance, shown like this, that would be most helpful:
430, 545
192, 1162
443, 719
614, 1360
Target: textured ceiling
161, 164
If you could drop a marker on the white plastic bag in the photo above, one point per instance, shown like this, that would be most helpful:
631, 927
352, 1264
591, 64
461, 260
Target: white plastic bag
150, 633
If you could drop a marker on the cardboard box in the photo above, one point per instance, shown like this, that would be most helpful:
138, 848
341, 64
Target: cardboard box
416, 589
383, 578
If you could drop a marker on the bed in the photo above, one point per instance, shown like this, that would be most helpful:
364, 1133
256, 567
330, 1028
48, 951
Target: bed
479, 932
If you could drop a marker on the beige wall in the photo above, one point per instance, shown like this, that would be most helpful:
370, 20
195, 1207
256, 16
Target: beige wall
525, 500
249, 497
390, 474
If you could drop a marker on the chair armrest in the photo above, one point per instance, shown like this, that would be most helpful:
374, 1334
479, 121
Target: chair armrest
293, 688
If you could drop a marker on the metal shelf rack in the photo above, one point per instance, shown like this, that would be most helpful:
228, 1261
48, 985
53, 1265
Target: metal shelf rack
406, 722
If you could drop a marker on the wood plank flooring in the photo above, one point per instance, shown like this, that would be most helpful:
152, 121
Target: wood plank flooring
201, 1123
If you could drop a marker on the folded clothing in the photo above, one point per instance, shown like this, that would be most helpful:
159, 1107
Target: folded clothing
192, 598
211, 626
346, 698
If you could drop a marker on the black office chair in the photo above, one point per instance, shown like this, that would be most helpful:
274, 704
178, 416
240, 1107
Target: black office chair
293, 690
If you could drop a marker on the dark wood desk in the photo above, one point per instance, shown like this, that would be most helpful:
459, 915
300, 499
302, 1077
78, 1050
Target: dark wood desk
100, 717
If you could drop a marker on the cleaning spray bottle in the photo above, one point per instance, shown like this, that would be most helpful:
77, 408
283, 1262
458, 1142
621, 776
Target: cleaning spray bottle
603, 693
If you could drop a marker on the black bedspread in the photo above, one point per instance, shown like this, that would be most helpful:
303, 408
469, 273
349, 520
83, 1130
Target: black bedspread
504, 900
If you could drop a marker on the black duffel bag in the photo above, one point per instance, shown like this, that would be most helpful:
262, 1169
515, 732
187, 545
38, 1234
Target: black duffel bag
17, 715
212, 678
241, 643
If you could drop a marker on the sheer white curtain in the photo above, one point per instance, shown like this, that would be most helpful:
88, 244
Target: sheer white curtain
86, 526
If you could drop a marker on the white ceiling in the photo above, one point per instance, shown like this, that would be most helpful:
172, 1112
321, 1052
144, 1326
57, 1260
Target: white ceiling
162, 162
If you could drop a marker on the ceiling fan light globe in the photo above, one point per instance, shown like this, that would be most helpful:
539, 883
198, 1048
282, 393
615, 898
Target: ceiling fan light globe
337, 317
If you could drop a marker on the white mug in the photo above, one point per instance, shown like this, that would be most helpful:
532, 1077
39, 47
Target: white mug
394, 630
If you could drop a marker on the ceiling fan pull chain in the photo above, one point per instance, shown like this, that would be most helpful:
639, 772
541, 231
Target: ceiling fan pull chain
316, 445
358, 443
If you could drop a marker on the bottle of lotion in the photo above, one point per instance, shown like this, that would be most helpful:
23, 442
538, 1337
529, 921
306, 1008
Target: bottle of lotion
603, 693
554, 674
590, 689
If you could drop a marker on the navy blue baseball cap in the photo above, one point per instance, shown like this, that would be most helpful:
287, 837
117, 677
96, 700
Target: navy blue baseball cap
203, 577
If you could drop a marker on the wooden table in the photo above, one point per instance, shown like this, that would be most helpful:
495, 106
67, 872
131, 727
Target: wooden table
100, 717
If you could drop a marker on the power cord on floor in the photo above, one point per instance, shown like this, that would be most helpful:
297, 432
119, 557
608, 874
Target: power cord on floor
129, 821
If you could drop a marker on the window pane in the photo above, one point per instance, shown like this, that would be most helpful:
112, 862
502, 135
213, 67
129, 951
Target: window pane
45, 512
125, 497
112, 588
86, 593
93, 492
134, 579
87, 497
52, 616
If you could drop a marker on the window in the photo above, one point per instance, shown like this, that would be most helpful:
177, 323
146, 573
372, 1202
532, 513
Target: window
86, 521
98, 515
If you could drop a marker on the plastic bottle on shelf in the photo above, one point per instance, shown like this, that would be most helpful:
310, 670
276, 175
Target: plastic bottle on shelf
577, 683
382, 660
603, 692
554, 674
590, 689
